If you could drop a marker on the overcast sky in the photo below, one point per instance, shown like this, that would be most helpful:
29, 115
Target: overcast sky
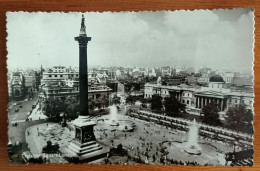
221, 39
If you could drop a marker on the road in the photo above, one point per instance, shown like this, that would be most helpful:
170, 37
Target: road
22, 113
17, 133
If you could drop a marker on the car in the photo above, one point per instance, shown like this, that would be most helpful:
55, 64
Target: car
19, 103
20, 106
16, 110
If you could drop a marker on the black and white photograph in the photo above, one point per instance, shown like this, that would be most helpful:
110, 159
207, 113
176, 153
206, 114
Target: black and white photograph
152, 88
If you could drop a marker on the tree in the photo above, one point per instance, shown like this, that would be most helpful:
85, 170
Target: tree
130, 99
53, 108
240, 117
137, 86
59, 108
103, 101
211, 115
128, 86
116, 100
173, 107
72, 108
156, 102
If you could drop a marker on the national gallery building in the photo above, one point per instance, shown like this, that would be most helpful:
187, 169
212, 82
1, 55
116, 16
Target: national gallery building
195, 97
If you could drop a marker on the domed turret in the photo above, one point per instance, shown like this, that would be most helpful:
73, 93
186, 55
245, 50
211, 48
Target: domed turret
216, 78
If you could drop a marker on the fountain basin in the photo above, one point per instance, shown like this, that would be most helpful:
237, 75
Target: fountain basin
120, 125
194, 150
114, 123
206, 154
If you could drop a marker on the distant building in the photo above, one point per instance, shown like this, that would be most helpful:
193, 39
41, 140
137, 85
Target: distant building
58, 74
190, 71
243, 80
204, 79
71, 88
62, 82
195, 97
205, 70
166, 71
30, 80
192, 79
152, 73
228, 77
17, 85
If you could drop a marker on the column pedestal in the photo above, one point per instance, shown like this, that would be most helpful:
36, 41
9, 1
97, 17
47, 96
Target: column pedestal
84, 148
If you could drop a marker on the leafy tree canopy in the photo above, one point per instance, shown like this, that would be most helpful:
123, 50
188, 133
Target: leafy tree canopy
211, 115
116, 100
173, 107
240, 117
156, 102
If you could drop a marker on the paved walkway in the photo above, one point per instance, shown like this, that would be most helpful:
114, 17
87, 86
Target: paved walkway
17, 133
37, 114
38, 135
149, 136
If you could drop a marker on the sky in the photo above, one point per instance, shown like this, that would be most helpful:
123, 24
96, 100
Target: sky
220, 39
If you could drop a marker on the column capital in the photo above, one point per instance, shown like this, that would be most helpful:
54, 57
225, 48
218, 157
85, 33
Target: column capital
82, 40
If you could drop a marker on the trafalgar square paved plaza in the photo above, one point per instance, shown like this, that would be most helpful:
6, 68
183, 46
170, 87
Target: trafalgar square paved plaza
145, 140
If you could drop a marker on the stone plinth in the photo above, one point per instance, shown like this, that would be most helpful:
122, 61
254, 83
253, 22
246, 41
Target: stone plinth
84, 147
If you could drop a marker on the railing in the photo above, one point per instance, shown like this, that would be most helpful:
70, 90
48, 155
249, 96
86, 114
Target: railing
184, 123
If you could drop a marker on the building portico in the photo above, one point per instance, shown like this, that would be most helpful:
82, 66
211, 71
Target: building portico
205, 97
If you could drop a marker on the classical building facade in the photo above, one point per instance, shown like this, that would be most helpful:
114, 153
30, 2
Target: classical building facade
71, 88
196, 97
58, 74
17, 85
61, 81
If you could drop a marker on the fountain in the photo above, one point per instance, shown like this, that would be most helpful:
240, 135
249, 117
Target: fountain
115, 122
192, 146
192, 150
113, 116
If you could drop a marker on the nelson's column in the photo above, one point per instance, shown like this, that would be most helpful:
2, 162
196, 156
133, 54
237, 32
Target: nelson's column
84, 147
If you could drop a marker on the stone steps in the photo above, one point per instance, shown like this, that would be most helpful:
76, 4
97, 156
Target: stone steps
80, 149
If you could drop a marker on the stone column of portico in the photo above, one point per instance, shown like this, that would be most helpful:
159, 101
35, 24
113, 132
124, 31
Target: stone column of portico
209, 100
202, 102
222, 102
219, 103
196, 102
